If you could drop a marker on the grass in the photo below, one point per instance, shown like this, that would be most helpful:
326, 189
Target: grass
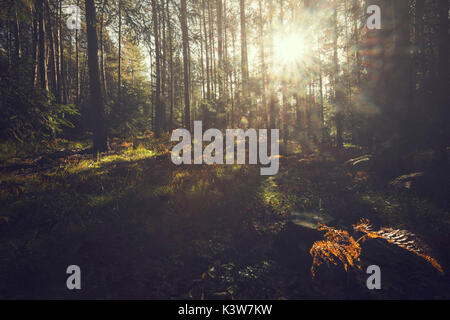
141, 227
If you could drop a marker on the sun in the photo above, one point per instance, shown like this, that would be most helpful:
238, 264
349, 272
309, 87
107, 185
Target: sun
289, 49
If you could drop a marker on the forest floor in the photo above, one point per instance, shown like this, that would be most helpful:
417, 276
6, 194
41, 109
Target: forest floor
140, 227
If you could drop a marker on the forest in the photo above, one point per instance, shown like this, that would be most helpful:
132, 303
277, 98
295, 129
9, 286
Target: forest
92, 92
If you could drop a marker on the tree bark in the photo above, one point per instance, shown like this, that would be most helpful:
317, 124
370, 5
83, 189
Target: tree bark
62, 76
102, 51
220, 46
338, 90
158, 116
95, 89
42, 67
208, 79
77, 66
52, 58
185, 36
244, 55
119, 72
263, 66
171, 71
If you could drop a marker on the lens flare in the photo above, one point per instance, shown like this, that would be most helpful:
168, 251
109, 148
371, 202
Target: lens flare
289, 48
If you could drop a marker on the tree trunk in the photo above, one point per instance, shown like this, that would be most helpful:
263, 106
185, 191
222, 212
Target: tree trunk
119, 72
102, 52
185, 36
95, 89
158, 117
212, 51
77, 66
57, 53
244, 56
162, 23
61, 54
17, 43
263, 66
220, 47
171, 71
338, 90
208, 80
42, 67
52, 58
34, 52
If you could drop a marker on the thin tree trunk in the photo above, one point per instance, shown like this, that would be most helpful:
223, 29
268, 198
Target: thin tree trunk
158, 117
62, 76
212, 51
171, 71
51, 61
185, 36
337, 85
42, 67
119, 72
263, 66
57, 53
208, 80
244, 56
162, 23
102, 52
77, 66
34, 68
220, 46
17, 42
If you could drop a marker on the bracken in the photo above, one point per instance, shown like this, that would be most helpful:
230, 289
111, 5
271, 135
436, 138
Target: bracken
338, 245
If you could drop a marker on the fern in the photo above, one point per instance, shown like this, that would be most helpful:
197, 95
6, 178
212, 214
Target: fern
340, 246
402, 238
337, 246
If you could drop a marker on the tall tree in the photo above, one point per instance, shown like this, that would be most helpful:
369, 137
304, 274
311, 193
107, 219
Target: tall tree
51, 49
185, 42
263, 65
42, 66
338, 88
119, 68
102, 48
95, 89
158, 113
171, 68
77, 64
208, 81
220, 46
244, 55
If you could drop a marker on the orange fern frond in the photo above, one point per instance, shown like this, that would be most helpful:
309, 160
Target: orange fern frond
338, 246
401, 238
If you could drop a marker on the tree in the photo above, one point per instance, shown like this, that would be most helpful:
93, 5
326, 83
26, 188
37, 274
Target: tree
244, 56
185, 40
96, 96
220, 46
119, 67
42, 66
338, 94
158, 117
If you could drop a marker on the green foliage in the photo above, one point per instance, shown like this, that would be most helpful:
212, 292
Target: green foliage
28, 114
